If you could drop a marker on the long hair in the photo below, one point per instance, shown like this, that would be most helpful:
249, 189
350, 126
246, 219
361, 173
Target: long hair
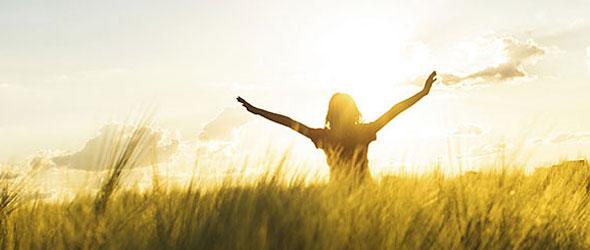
342, 110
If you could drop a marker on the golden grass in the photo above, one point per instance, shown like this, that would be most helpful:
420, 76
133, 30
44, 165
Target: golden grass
546, 210
497, 210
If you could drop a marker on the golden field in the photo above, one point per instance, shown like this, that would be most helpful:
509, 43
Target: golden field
502, 209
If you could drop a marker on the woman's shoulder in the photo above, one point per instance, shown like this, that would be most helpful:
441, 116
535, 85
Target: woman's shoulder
317, 136
317, 131
368, 131
367, 127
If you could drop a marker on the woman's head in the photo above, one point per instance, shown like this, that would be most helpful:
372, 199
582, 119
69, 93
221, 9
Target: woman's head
342, 111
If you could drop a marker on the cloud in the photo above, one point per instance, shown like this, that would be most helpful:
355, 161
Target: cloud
489, 149
562, 137
486, 150
468, 130
42, 159
222, 128
517, 54
535, 141
570, 137
101, 150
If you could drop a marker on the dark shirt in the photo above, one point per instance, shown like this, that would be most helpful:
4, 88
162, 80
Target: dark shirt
346, 153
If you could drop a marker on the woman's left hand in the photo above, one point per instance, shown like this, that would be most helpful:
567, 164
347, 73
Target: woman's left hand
431, 79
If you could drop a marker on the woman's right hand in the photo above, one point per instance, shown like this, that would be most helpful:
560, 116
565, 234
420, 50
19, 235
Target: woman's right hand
247, 105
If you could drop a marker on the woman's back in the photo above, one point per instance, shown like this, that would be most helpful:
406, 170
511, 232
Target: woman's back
346, 151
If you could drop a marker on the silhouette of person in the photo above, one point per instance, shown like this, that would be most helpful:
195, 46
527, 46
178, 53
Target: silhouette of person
345, 138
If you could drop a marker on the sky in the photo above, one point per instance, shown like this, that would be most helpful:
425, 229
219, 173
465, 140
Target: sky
514, 77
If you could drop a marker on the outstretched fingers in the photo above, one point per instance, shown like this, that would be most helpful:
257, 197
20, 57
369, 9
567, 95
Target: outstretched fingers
428, 84
243, 102
247, 105
431, 78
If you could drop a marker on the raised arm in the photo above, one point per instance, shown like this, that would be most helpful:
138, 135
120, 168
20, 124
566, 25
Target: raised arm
405, 104
278, 118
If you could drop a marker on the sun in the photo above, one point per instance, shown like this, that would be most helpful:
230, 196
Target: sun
361, 48
366, 57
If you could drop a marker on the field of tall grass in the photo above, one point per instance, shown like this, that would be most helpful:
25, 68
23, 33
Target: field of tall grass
503, 209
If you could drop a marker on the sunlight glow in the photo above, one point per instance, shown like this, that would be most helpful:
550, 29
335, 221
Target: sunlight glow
361, 50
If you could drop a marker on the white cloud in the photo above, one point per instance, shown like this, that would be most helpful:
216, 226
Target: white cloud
468, 130
535, 141
562, 137
222, 128
570, 137
42, 159
515, 56
489, 149
486, 150
98, 152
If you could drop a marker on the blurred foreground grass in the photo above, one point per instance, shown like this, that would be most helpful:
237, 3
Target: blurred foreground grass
504, 210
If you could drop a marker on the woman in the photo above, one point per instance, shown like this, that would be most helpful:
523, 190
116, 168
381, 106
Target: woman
344, 138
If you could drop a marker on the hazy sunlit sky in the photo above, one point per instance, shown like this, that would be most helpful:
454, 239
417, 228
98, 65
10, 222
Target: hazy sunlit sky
515, 74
